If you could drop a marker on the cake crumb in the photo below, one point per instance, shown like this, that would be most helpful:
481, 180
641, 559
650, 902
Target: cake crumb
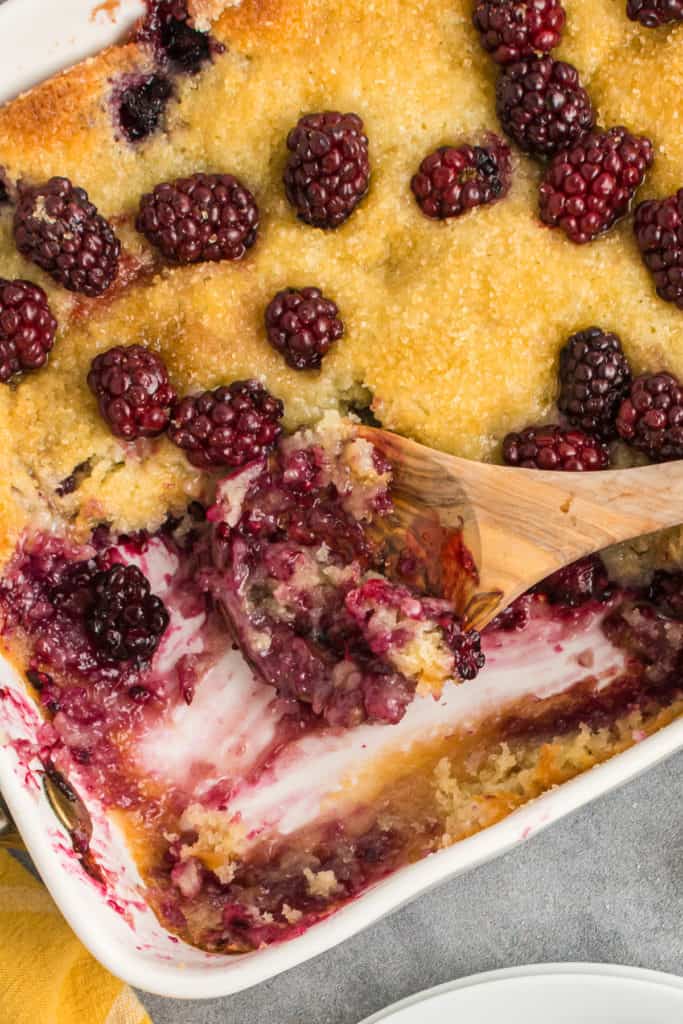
220, 840
291, 914
321, 883
225, 873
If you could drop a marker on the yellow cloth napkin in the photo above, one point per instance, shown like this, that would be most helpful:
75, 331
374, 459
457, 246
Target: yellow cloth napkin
46, 975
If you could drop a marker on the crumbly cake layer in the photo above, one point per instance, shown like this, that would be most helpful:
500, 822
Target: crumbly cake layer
495, 781
269, 808
429, 798
249, 813
452, 329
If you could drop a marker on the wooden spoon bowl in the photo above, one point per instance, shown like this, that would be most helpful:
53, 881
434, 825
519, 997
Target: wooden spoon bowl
486, 533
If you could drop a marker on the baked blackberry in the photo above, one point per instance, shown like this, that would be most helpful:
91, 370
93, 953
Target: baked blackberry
59, 229
653, 13
466, 646
651, 417
141, 106
227, 427
514, 618
303, 325
168, 29
125, 620
511, 30
133, 391
666, 593
453, 180
658, 226
555, 448
27, 328
73, 593
74, 480
542, 105
301, 471
590, 184
578, 583
328, 170
594, 379
203, 218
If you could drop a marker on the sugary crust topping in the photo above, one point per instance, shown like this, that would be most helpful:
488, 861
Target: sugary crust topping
219, 842
452, 330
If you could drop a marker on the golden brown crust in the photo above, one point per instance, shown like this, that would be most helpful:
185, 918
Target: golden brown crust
452, 329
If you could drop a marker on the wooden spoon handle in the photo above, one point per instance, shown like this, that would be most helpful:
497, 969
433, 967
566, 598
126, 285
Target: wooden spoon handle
522, 525
606, 507
532, 523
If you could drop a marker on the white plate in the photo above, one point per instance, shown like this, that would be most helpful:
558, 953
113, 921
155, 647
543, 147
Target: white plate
547, 994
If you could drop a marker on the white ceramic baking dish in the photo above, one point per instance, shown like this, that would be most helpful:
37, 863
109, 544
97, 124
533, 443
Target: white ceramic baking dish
36, 38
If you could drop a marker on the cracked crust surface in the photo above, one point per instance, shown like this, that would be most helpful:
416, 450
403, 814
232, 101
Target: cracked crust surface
452, 329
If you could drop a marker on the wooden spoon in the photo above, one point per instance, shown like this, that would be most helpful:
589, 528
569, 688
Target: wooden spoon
482, 534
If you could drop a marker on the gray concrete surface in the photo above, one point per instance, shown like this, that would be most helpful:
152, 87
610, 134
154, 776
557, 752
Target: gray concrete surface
603, 885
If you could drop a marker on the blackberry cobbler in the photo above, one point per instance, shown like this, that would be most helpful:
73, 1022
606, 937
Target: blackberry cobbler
228, 245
